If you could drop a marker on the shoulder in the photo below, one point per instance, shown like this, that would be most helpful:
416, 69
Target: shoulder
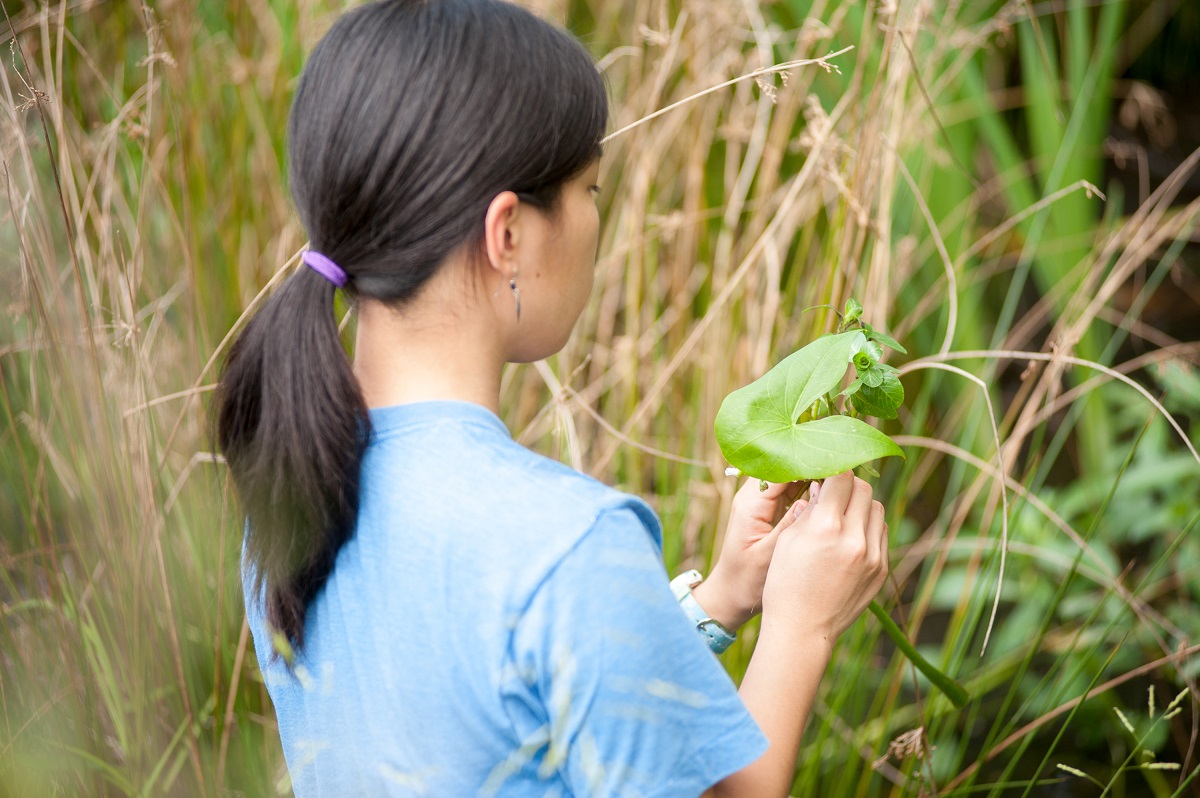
578, 499
450, 481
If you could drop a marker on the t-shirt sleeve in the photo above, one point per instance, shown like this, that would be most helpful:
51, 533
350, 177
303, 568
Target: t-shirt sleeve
635, 704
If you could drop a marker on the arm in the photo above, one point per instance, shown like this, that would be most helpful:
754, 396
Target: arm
604, 662
778, 689
827, 565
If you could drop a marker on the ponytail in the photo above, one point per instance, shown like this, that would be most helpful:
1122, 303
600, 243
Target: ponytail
390, 177
292, 425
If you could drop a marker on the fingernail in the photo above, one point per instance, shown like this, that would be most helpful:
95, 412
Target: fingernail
813, 491
798, 508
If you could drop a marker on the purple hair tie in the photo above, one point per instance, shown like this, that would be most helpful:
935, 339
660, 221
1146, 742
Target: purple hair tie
324, 267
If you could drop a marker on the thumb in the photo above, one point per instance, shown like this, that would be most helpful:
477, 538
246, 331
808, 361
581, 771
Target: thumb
794, 512
799, 507
750, 491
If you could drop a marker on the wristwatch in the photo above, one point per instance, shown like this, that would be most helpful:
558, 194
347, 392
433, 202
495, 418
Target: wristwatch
717, 636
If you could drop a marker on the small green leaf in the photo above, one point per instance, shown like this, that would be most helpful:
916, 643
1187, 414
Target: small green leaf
852, 388
853, 312
865, 407
886, 340
778, 450
867, 355
872, 377
881, 401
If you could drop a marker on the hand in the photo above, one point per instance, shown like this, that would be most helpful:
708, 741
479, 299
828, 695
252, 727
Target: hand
732, 593
830, 562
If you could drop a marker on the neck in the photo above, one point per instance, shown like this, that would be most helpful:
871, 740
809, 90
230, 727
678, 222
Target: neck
428, 350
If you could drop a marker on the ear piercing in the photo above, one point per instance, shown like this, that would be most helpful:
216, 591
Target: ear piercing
516, 292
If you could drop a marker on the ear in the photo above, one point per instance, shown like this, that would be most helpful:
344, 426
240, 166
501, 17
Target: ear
501, 229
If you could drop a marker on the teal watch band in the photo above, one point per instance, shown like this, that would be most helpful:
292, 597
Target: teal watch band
717, 636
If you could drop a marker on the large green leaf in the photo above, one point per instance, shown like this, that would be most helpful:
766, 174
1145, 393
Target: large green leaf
771, 446
787, 390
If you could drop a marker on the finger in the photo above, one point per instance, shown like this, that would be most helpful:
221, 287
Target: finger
793, 514
749, 489
835, 492
786, 501
884, 563
789, 517
883, 547
770, 504
858, 509
877, 532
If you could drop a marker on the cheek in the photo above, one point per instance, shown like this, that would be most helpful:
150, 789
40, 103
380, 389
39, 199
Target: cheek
588, 256
591, 240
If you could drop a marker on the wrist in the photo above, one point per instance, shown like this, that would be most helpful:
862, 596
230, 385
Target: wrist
718, 636
794, 634
719, 603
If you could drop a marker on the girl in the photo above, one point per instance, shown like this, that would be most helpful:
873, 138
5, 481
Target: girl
437, 610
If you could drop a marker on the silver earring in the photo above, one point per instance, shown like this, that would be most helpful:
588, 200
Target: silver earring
516, 292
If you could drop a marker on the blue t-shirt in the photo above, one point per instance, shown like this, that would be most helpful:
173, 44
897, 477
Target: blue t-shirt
498, 625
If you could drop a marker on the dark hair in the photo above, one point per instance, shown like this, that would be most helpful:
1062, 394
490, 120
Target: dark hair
409, 118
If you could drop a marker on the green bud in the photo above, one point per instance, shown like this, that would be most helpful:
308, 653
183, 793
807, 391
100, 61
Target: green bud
853, 312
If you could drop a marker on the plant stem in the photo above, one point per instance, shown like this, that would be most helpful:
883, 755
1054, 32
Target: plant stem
950, 688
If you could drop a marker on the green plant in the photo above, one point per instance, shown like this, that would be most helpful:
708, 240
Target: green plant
941, 162
787, 426
1146, 743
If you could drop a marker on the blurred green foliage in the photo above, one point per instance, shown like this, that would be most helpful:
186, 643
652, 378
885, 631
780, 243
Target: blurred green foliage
933, 171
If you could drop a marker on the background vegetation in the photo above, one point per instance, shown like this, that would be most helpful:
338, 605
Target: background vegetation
1010, 188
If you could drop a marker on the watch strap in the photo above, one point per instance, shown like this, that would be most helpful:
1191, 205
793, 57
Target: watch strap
717, 636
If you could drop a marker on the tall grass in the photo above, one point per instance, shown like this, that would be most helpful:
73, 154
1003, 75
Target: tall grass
145, 212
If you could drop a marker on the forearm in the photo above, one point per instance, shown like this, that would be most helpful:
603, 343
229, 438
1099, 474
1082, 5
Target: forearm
779, 688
